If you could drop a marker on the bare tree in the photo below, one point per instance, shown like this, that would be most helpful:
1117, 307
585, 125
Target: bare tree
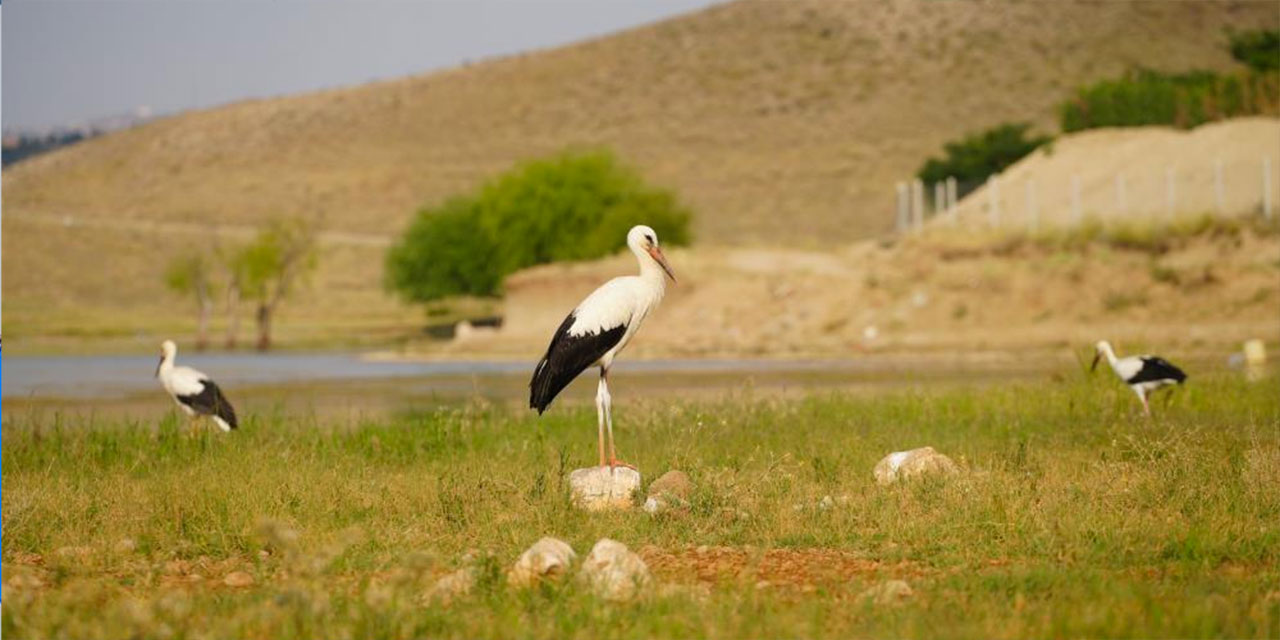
189, 275
273, 264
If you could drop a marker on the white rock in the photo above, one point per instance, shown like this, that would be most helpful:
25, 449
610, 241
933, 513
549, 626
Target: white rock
887, 592
653, 505
614, 572
901, 465
548, 558
603, 488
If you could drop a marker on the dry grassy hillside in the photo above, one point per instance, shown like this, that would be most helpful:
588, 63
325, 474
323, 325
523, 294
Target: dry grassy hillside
781, 123
777, 121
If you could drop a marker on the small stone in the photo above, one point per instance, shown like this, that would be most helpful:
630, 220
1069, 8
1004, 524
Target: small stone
901, 465
673, 483
548, 558
603, 488
452, 586
76, 553
887, 592
826, 503
125, 545
237, 579
614, 572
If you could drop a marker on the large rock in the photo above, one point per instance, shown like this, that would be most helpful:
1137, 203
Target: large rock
614, 572
901, 465
603, 488
548, 559
671, 491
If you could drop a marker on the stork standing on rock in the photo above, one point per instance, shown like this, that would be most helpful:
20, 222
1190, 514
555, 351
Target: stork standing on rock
1143, 374
598, 329
194, 392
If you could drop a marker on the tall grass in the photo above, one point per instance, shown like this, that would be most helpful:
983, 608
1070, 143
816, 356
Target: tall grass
1075, 517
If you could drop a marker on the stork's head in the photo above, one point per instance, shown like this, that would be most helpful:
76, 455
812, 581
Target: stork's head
643, 240
167, 350
1099, 349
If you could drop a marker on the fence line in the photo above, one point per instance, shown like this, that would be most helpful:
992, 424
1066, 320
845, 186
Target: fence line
1213, 186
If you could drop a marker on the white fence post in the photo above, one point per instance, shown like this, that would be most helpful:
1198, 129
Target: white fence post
1033, 213
1218, 200
1075, 200
939, 198
903, 207
917, 203
951, 199
1266, 186
993, 201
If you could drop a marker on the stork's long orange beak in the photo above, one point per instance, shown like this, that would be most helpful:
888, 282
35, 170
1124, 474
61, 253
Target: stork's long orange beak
158, 365
1096, 356
656, 253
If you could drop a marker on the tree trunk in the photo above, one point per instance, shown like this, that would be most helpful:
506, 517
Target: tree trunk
202, 327
233, 315
264, 327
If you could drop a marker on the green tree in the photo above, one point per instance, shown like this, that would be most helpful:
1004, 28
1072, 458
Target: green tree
973, 158
1259, 50
190, 274
281, 256
575, 205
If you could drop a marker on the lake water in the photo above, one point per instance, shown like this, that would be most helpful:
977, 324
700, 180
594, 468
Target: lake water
348, 384
105, 376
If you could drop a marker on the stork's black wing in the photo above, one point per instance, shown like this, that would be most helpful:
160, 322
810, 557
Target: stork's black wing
566, 357
211, 402
1155, 368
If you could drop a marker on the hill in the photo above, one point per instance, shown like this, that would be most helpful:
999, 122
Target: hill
779, 123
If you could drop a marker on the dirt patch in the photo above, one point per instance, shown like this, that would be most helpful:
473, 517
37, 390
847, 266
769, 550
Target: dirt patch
768, 567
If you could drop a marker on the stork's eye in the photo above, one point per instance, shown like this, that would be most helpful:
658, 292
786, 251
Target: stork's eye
651, 239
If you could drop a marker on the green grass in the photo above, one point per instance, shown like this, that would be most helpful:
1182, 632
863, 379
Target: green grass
1075, 517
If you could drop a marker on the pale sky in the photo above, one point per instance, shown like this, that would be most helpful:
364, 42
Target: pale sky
66, 61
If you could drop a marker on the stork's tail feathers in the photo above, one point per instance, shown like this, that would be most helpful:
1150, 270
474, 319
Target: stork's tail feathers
223, 413
543, 388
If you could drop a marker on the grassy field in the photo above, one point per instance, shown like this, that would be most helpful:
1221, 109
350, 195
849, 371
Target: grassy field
1074, 517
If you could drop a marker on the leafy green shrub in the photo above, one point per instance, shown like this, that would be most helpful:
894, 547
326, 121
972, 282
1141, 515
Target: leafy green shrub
1145, 97
445, 252
576, 205
979, 155
1259, 50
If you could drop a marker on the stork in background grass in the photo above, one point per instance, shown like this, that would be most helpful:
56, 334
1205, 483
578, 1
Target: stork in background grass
194, 392
1144, 374
598, 329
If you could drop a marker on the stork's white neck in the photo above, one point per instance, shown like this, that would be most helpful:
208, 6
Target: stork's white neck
1110, 355
650, 271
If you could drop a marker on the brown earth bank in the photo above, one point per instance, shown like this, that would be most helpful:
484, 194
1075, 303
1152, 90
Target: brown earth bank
936, 292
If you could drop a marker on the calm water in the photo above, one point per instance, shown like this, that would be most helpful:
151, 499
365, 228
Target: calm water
345, 383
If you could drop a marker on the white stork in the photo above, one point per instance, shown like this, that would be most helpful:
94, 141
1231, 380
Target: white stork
193, 390
599, 328
1144, 374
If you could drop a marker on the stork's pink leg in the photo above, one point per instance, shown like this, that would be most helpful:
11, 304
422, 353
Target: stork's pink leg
600, 391
608, 421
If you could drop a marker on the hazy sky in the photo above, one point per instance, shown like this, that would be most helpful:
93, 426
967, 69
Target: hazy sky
66, 60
